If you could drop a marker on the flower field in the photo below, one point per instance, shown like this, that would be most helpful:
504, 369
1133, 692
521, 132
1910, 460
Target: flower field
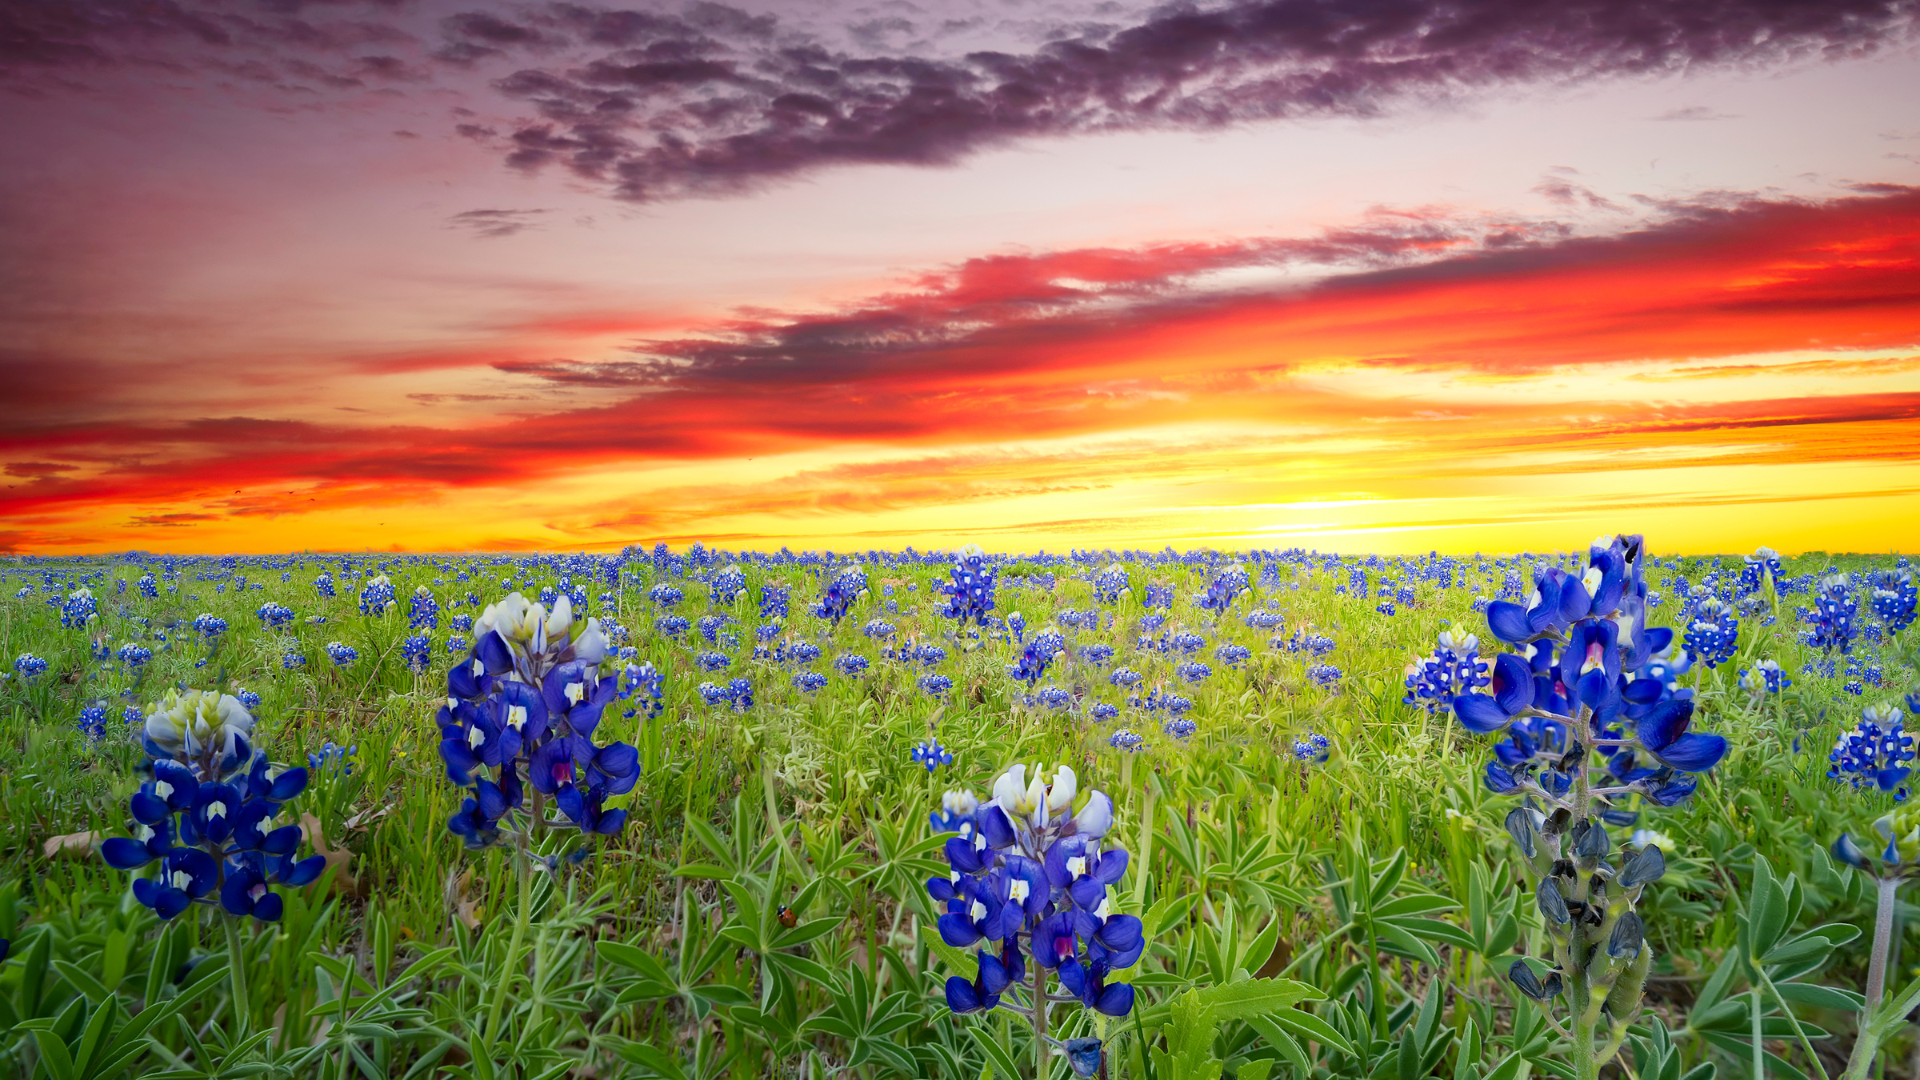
1147, 815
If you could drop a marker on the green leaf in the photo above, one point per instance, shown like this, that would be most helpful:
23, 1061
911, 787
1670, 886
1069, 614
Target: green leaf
1304, 1025
996, 1054
1766, 909
1513, 1067
1404, 938
634, 958
1414, 905
1252, 997
86, 984
1437, 930
957, 961
53, 1052
807, 931
1822, 997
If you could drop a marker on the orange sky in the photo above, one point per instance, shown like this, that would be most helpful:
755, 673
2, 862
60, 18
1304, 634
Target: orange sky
1511, 314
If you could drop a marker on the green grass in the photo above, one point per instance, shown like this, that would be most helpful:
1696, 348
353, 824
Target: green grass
811, 801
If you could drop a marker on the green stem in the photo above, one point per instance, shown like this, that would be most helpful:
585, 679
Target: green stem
1759, 1051
1040, 1055
1805, 1046
237, 972
525, 866
1882, 940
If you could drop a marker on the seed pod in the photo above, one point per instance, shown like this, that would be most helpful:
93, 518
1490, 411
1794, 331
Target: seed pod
1643, 868
1623, 1001
1552, 904
1531, 985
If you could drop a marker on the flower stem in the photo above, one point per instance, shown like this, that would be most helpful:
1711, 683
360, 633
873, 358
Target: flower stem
1039, 1020
237, 972
525, 867
1882, 940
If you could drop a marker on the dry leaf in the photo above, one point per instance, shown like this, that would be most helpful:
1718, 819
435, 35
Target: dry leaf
466, 908
363, 817
340, 862
79, 843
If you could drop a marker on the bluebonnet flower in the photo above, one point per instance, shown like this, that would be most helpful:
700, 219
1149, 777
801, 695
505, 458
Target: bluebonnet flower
134, 655
1103, 712
1232, 655
423, 611
808, 682
1158, 596
1193, 671
1126, 739
931, 755
341, 655
333, 757
1262, 619
775, 601
148, 587
1124, 677
671, 626
456, 644
1892, 596
93, 723
840, 594
1873, 753
1831, 622
273, 616
248, 700
803, 652
209, 625
1324, 675
1456, 667
1186, 642
737, 693
665, 595
1384, 607
1025, 866
1713, 632
460, 623
1771, 678
969, 589
530, 697
1053, 697
1314, 748
710, 627
1227, 586
1036, 656
852, 665
206, 815
132, 715
645, 683
1310, 642
416, 651
726, 585
29, 666
1754, 568
1017, 626
1096, 654
1110, 583
1180, 727
291, 660
323, 585
376, 596
956, 812
878, 629
78, 609
712, 661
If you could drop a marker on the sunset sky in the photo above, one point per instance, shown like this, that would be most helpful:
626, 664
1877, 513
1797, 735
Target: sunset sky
1355, 275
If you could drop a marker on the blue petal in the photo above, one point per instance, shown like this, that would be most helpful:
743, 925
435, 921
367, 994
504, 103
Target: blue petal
1512, 683
1480, 713
961, 996
1508, 622
122, 853
1694, 752
268, 908
1664, 723
1115, 1000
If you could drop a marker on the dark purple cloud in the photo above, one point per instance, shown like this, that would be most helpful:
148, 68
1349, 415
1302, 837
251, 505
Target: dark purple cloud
714, 101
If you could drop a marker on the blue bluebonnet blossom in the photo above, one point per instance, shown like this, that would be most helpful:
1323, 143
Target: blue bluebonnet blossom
725, 586
416, 651
711, 625
1028, 884
273, 616
1755, 568
878, 629
323, 585
79, 608
1313, 748
1124, 677
423, 611
376, 596
938, 686
775, 601
1053, 697
808, 682
1103, 712
737, 693
1126, 739
291, 660
644, 685
206, 816
1186, 642
1588, 679
1228, 585
1232, 655
665, 595
1262, 619
521, 712
931, 755
29, 667
1712, 632
209, 625
1193, 671
969, 589
1831, 621
1017, 626
1766, 677
1036, 656
709, 660
92, 723
1180, 727
671, 626
1456, 667
462, 623
1891, 594
1158, 596
1874, 753
248, 700
333, 757
1325, 676
134, 655
852, 665
1306, 641
1110, 583
1096, 654
838, 598
148, 587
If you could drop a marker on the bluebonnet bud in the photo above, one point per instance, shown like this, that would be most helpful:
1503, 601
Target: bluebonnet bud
1874, 753
931, 755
